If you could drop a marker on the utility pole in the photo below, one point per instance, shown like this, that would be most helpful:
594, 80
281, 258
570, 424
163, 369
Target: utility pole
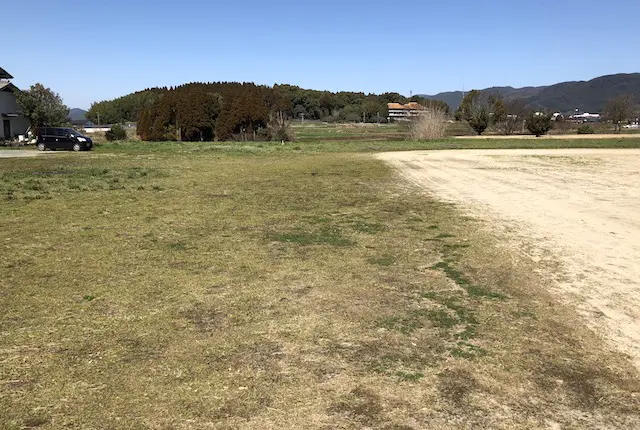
364, 117
302, 115
98, 118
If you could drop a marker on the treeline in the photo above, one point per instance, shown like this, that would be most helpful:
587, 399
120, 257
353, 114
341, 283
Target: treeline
195, 112
242, 111
124, 109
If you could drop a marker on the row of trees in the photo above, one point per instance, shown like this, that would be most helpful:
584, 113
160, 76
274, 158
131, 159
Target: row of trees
195, 112
123, 109
482, 109
245, 111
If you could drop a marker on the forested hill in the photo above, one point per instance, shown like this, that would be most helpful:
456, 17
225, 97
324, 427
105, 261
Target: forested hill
297, 102
589, 96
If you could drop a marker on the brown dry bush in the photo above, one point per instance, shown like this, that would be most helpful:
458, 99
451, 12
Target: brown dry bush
430, 125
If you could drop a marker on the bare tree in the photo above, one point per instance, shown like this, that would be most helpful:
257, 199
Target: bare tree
508, 114
619, 109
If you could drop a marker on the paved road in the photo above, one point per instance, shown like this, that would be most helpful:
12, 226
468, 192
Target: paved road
577, 206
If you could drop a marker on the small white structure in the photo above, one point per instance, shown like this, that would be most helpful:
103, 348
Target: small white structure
585, 117
96, 129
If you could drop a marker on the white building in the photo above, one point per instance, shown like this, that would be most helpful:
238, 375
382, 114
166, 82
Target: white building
14, 123
400, 112
585, 117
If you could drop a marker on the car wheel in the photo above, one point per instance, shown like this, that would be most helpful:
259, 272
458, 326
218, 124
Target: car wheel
41, 147
77, 147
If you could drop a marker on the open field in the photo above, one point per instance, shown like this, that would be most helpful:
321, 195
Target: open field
259, 286
578, 206
314, 131
361, 145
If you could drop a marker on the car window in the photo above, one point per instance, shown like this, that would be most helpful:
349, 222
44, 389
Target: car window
60, 132
73, 132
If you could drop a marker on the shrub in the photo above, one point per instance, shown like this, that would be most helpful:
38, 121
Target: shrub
475, 109
117, 132
539, 123
430, 125
479, 120
283, 134
586, 129
279, 129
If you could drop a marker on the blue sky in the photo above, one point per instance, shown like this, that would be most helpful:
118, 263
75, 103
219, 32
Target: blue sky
90, 51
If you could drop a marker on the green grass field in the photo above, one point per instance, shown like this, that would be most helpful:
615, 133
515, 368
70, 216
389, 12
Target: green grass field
315, 146
264, 286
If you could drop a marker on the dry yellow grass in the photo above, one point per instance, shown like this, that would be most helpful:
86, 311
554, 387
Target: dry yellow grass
430, 125
211, 290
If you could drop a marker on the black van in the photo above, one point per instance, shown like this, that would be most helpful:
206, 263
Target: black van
61, 138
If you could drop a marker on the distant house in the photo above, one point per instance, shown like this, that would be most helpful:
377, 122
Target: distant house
14, 123
90, 128
400, 112
585, 117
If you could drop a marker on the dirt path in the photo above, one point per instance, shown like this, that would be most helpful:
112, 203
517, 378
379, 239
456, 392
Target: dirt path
555, 136
576, 211
20, 153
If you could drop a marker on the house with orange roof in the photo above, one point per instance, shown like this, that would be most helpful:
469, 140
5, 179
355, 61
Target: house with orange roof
404, 112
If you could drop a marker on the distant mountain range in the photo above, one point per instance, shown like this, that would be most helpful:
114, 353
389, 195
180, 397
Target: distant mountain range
586, 96
77, 116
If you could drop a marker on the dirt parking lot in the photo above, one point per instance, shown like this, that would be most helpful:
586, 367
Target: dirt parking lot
575, 211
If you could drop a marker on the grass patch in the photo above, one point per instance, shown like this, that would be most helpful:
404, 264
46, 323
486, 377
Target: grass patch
366, 144
177, 246
368, 227
144, 288
325, 236
410, 376
442, 319
460, 280
385, 260
40, 179
405, 324
444, 236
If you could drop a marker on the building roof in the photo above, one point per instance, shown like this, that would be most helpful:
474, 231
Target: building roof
4, 74
408, 106
8, 86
